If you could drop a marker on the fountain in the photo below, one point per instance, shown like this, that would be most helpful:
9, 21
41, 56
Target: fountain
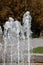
18, 27
7, 35
27, 24
0, 30
12, 36
9, 29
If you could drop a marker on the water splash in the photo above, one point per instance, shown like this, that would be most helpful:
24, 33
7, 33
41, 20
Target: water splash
5, 46
27, 25
14, 27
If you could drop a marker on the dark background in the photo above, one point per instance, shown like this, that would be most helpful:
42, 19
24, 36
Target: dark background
16, 9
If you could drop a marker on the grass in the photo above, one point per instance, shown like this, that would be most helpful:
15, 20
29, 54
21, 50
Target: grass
37, 50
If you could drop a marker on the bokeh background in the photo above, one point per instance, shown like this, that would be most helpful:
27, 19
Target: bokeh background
16, 9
